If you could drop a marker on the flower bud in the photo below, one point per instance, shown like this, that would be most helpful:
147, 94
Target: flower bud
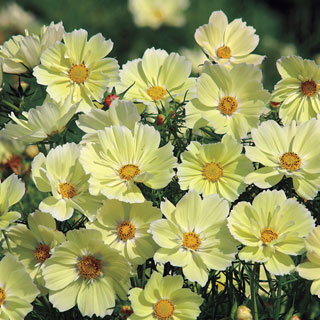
160, 119
110, 98
31, 151
244, 313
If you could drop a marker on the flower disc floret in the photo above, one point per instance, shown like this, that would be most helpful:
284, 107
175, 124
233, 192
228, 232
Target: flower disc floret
228, 105
290, 161
67, 190
126, 230
89, 267
42, 252
128, 171
224, 52
163, 309
191, 240
212, 171
156, 93
309, 88
268, 235
3, 295
78, 73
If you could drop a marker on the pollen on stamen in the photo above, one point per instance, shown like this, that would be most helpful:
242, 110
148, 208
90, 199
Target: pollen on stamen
228, 105
67, 190
128, 171
309, 88
78, 73
89, 267
290, 161
3, 296
224, 52
156, 92
126, 230
191, 240
212, 171
42, 253
163, 309
268, 235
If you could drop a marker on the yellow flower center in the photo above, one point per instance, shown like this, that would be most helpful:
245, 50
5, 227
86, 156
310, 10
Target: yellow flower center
126, 230
158, 14
156, 92
42, 253
89, 267
163, 309
228, 105
290, 161
191, 240
128, 171
3, 296
268, 235
78, 73
67, 190
212, 171
309, 88
224, 52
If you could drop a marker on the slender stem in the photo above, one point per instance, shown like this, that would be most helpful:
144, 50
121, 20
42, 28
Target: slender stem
271, 286
278, 301
7, 241
23, 210
253, 288
9, 104
143, 275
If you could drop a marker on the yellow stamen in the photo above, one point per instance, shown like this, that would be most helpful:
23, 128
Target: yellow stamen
309, 88
228, 105
290, 161
156, 92
126, 230
163, 309
3, 296
67, 190
128, 171
78, 73
191, 240
42, 253
89, 267
212, 171
268, 235
224, 52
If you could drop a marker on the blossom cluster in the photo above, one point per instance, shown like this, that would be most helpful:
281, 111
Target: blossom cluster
151, 128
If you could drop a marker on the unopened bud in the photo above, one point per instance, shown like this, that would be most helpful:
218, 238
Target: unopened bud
110, 98
295, 317
160, 119
31, 151
244, 313
274, 104
126, 310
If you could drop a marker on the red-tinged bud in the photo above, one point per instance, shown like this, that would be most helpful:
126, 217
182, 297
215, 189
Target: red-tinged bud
126, 310
274, 104
160, 119
173, 114
295, 317
110, 98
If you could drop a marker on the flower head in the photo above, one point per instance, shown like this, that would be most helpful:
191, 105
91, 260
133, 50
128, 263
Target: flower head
78, 68
298, 90
62, 174
228, 44
12, 190
17, 291
156, 78
22, 53
164, 298
124, 227
158, 12
226, 102
287, 151
271, 229
123, 157
194, 236
214, 168
83, 271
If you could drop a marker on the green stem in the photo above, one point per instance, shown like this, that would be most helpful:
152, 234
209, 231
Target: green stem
7, 241
143, 275
271, 286
23, 210
9, 104
278, 302
253, 288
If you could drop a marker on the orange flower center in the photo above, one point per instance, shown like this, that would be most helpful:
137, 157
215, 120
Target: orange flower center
309, 88
191, 240
67, 190
290, 161
3, 296
126, 230
268, 235
228, 105
78, 73
212, 171
163, 309
128, 171
224, 52
89, 267
42, 253
156, 92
